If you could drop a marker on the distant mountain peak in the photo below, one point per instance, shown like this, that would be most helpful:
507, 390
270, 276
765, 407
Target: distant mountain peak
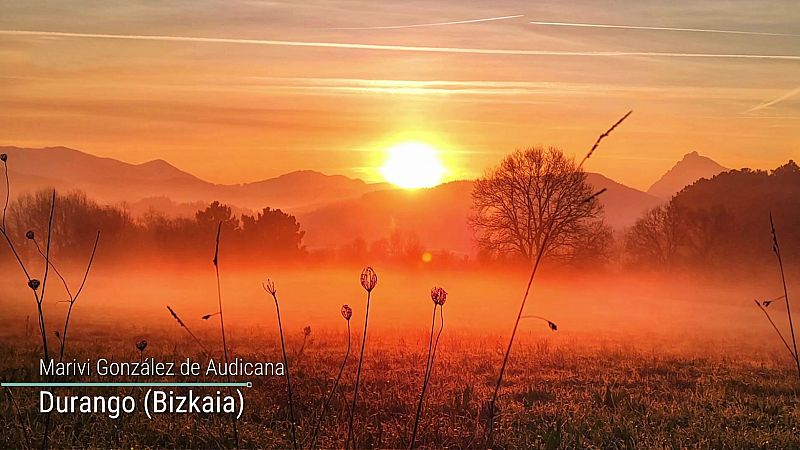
692, 167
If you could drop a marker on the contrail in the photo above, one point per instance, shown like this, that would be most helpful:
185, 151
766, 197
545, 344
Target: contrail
783, 97
435, 24
634, 27
386, 47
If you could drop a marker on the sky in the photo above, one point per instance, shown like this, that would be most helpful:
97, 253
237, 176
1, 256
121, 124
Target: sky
238, 91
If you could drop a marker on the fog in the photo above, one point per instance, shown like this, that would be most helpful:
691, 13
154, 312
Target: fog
670, 311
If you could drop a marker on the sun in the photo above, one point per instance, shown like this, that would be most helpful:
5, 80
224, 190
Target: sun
413, 165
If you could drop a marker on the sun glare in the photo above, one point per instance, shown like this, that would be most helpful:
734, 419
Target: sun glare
413, 165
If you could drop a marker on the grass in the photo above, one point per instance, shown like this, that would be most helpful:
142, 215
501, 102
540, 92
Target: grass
562, 391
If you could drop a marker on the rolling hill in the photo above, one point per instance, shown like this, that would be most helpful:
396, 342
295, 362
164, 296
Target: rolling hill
332, 209
112, 181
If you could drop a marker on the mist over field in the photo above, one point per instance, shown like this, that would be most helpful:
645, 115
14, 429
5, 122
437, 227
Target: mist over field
688, 309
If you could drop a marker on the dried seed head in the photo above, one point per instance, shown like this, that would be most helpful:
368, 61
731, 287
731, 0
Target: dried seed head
3, 157
369, 279
552, 326
30, 235
34, 284
767, 302
438, 295
307, 331
347, 312
206, 317
141, 345
269, 286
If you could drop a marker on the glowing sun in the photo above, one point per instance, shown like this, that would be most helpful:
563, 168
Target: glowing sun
413, 165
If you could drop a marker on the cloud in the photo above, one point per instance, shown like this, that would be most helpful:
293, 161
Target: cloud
783, 97
434, 24
400, 48
638, 27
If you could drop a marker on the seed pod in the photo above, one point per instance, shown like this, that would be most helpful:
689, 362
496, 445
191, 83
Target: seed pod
34, 284
438, 295
347, 312
30, 235
141, 345
369, 279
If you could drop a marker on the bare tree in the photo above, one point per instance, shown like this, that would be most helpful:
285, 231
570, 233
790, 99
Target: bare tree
535, 199
658, 236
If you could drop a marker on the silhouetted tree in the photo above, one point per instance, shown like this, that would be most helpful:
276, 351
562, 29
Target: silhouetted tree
531, 193
656, 237
75, 222
722, 221
272, 231
215, 213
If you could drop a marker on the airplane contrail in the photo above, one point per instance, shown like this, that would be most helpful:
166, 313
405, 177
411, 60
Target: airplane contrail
635, 27
435, 24
389, 47
783, 97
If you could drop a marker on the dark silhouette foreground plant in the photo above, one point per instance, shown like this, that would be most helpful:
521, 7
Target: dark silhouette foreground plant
269, 286
369, 279
438, 296
347, 313
222, 327
185, 327
776, 248
763, 307
548, 230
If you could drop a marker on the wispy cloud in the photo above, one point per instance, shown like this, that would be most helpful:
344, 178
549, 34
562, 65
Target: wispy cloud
640, 27
400, 48
434, 24
783, 97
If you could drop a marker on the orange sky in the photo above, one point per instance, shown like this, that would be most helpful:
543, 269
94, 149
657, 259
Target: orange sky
229, 110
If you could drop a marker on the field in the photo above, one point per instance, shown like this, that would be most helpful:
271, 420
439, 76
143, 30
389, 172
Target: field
636, 363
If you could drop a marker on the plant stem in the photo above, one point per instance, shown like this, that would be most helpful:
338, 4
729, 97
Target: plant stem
794, 357
424, 380
286, 365
777, 249
511, 340
358, 377
222, 325
333, 391
72, 299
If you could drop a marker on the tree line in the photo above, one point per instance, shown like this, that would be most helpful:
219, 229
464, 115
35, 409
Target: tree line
535, 196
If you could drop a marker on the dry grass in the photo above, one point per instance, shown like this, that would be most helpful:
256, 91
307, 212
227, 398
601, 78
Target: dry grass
561, 391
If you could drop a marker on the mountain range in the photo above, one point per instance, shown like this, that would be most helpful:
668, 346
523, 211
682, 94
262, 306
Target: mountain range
111, 180
332, 209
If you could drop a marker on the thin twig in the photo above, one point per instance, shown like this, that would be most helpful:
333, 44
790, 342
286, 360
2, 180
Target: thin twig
424, 379
19, 418
777, 249
270, 288
333, 390
603, 136
74, 299
222, 325
358, 376
182, 324
775, 327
